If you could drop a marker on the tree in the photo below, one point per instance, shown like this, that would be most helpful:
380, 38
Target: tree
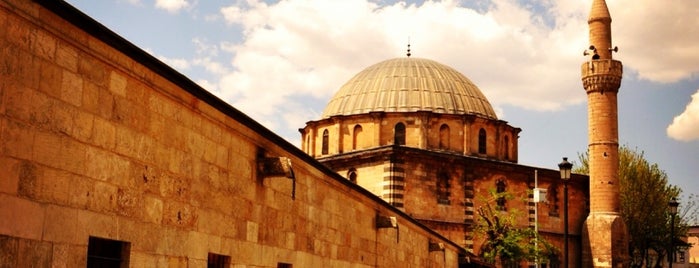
644, 196
506, 242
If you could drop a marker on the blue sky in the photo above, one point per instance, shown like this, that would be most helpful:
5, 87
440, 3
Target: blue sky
281, 61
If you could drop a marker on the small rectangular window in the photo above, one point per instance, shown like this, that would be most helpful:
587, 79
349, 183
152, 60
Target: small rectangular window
107, 253
218, 261
284, 265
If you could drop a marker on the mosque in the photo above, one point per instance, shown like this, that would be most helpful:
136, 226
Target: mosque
423, 137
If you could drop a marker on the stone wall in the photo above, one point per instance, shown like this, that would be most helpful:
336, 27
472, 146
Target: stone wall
99, 139
451, 208
422, 130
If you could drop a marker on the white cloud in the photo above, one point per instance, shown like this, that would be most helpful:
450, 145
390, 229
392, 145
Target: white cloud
134, 2
177, 63
172, 6
685, 126
657, 39
297, 51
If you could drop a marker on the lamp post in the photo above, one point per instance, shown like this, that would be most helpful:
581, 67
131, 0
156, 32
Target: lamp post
672, 205
565, 167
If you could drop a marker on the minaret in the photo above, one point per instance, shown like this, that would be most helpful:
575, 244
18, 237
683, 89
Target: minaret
604, 232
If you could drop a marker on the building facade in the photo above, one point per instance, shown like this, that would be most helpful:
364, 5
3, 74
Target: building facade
109, 158
424, 138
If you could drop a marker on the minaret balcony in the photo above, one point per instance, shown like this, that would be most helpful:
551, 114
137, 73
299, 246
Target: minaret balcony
601, 75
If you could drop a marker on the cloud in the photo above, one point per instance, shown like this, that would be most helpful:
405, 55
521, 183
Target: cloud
657, 39
134, 2
685, 126
172, 6
311, 48
177, 63
295, 54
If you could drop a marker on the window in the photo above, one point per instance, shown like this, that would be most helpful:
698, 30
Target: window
444, 137
326, 138
500, 189
552, 197
356, 137
308, 144
284, 265
507, 148
218, 261
443, 188
399, 135
107, 253
352, 175
481, 141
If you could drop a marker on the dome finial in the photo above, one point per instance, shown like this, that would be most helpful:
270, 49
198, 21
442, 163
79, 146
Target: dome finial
408, 54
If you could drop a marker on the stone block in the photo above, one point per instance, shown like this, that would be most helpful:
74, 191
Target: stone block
117, 84
3, 23
61, 225
107, 166
8, 251
47, 146
17, 140
102, 197
20, 217
153, 209
49, 78
91, 98
93, 70
71, 88
143, 237
141, 259
180, 214
252, 231
44, 45
177, 262
67, 57
33, 253
95, 224
9, 175
103, 134
198, 246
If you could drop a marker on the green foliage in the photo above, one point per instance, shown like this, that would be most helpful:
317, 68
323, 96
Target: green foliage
644, 195
505, 241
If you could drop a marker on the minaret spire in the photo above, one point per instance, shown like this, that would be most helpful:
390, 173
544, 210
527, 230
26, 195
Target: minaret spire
600, 24
605, 240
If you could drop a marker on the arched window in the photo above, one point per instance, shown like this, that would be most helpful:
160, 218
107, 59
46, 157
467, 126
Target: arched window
352, 175
443, 188
552, 198
399, 135
357, 137
444, 137
500, 189
506, 146
326, 138
481, 142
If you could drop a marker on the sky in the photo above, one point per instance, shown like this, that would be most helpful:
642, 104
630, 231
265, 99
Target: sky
280, 62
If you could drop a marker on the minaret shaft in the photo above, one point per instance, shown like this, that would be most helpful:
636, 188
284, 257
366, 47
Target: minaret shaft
605, 241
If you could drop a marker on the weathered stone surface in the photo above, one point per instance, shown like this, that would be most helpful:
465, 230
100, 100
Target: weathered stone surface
93, 143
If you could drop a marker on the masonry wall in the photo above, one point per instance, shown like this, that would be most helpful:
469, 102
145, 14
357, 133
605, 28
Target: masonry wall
422, 130
96, 143
421, 197
469, 187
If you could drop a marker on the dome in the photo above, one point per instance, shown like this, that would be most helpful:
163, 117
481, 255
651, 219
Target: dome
409, 85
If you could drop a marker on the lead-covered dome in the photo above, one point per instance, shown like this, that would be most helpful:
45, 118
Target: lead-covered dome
409, 85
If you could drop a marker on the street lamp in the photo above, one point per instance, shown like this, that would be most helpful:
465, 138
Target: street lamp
565, 167
672, 205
